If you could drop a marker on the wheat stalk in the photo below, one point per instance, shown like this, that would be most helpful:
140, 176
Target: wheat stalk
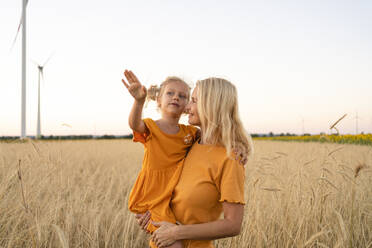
334, 124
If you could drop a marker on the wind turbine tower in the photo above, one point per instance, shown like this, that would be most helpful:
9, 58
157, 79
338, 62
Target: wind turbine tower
22, 24
23, 117
41, 76
38, 129
303, 126
356, 123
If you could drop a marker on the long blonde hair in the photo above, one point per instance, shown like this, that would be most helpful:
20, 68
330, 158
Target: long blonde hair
217, 103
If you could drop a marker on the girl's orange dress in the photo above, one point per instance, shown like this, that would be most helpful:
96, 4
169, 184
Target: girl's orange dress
161, 168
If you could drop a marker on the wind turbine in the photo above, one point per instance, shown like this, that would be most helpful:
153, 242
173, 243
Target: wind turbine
357, 118
41, 76
23, 100
303, 125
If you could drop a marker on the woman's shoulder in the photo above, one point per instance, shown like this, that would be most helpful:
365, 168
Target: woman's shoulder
214, 160
217, 154
210, 152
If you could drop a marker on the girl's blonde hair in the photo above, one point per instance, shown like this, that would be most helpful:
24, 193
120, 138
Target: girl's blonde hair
154, 91
217, 103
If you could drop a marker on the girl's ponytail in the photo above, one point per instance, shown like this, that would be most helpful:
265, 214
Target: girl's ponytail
152, 93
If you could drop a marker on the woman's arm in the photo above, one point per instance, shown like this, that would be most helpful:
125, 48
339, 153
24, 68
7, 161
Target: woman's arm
139, 92
229, 226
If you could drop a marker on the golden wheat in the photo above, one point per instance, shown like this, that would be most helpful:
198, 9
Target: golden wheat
74, 194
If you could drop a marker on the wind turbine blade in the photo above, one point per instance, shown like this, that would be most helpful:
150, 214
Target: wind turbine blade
51, 55
66, 125
19, 28
36, 63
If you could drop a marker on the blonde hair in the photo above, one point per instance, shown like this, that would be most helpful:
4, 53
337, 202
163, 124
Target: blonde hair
154, 91
217, 103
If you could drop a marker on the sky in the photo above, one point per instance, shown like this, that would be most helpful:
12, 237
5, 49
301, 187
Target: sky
298, 65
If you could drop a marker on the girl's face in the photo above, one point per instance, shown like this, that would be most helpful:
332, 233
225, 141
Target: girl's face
174, 98
192, 109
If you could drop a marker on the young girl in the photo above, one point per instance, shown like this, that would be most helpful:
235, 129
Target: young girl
166, 143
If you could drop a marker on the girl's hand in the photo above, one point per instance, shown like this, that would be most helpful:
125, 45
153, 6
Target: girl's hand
165, 235
135, 88
143, 220
241, 154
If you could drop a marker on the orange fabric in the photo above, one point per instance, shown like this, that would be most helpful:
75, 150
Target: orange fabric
161, 168
208, 178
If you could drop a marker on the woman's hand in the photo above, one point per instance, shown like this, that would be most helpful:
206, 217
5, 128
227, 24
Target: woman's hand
165, 235
135, 88
143, 220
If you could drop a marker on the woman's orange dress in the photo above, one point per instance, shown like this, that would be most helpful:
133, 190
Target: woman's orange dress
209, 178
161, 168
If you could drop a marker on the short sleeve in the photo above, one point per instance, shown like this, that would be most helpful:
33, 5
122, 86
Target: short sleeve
231, 182
139, 137
143, 137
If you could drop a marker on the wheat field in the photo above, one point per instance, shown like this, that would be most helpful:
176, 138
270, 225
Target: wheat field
74, 194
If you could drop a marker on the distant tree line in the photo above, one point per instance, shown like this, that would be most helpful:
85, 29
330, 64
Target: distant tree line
71, 137
128, 136
271, 134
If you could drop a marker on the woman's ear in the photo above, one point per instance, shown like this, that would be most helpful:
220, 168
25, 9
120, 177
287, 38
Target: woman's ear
158, 101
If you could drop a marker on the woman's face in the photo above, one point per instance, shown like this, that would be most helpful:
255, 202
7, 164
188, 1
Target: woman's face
192, 109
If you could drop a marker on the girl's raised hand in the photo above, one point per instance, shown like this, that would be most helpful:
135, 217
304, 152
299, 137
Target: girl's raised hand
135, 88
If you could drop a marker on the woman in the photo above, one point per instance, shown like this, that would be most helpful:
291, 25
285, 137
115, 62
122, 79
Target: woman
212, 182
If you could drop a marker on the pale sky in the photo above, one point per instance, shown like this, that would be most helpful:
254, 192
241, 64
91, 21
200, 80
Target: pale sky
293, 62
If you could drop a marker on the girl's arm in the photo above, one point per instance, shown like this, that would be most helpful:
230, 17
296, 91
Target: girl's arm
139, 92
229, 226
135, 117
